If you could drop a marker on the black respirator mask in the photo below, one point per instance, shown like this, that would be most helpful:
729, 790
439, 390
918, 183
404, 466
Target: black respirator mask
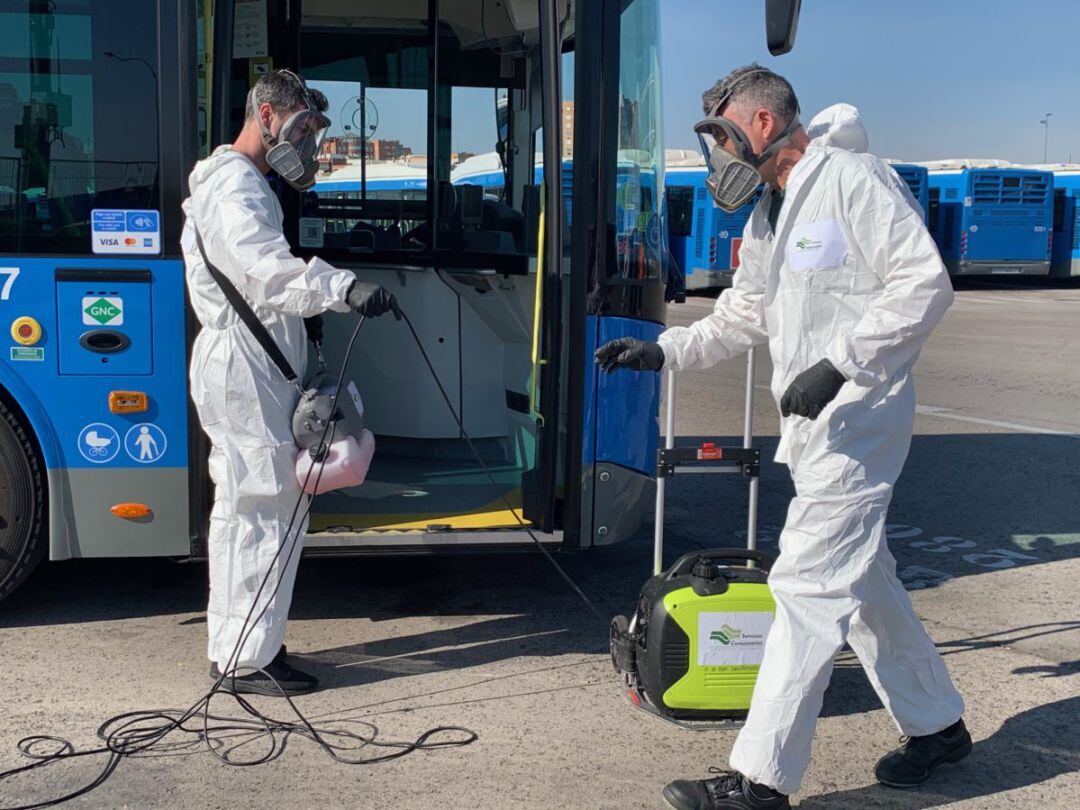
294, 152
733, 178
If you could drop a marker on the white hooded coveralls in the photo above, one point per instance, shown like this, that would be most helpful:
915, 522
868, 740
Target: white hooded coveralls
853, 276
244, 403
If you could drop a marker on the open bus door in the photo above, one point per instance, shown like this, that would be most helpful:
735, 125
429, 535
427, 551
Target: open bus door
480, 277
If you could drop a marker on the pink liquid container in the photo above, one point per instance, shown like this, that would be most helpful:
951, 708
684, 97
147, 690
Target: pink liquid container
346, 465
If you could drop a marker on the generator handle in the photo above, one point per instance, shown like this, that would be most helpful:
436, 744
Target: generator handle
685, 564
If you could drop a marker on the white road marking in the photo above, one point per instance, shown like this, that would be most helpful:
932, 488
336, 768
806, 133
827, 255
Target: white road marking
946, 413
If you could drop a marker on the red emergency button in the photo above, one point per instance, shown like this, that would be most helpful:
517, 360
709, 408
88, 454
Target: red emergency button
26, 331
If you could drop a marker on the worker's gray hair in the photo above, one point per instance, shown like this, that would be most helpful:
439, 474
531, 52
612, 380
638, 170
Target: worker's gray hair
284, 91
751, 88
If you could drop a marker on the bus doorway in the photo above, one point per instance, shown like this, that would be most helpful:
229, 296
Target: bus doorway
415, 92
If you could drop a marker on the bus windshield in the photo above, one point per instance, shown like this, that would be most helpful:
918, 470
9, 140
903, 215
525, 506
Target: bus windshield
70, 140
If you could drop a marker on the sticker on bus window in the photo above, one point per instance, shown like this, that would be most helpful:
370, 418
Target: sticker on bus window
125, 231
312, 230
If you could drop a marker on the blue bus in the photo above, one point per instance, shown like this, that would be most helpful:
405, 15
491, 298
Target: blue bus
992, 220
100, 124
1065, 257
917, 179
704, 239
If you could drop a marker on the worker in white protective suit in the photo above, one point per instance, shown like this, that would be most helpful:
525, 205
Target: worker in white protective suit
839, 275
244, 402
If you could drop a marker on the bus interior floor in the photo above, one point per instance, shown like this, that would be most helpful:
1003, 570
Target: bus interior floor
407, 492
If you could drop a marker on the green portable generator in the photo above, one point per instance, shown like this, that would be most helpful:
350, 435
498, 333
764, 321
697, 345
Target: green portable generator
692, 649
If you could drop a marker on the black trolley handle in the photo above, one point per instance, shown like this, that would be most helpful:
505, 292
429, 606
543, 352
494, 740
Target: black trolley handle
685, 564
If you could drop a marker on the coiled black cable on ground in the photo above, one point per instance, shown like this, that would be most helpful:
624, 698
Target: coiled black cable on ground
136, 733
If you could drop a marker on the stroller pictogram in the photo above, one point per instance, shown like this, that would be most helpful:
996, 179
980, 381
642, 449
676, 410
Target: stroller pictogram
97, 445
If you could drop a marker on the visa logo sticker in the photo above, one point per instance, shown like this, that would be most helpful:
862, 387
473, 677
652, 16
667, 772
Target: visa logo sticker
124, 230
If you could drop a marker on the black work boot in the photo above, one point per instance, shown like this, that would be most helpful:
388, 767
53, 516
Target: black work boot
917, 757
282, 679
728, 790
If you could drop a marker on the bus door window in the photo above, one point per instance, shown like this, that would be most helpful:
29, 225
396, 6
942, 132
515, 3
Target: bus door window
640, 239
78, 124
372, 181
372, 186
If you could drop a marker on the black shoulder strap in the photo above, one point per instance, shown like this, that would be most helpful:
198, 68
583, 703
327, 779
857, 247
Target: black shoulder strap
247, 315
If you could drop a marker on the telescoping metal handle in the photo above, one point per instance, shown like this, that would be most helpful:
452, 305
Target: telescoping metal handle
661, 484
685, 564
748, 462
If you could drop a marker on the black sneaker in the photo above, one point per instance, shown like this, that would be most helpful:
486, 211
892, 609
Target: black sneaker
728, 790
284, 679
918, 757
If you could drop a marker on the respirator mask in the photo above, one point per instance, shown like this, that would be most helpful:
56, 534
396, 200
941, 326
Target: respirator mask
294, 152
734, 175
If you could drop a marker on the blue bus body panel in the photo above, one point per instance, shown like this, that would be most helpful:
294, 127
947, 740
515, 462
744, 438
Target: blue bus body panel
621, 407
917, 179
993, 218
1065, 257
946, 199
64, 388
1013, 222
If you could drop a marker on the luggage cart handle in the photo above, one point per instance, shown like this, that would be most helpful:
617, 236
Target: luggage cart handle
750, 465
685, 564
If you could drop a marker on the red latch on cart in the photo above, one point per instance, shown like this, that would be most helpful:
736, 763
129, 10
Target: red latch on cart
710, 452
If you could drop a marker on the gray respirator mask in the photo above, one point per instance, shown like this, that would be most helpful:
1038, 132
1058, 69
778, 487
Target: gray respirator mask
734, 176
294, 152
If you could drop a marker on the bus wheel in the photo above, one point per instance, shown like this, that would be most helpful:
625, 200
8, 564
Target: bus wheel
22, 504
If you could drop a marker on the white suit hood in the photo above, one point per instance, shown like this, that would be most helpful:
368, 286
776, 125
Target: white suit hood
839, 126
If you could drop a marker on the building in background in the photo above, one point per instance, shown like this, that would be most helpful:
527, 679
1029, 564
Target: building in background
382, 149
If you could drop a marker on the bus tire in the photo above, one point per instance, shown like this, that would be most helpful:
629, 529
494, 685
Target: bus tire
23, 539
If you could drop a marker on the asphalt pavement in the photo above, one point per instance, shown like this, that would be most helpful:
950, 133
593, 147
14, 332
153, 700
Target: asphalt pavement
984, 524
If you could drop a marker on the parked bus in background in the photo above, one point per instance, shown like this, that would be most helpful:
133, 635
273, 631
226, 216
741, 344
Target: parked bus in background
704, 239
917, 179
991, 220
1065, 256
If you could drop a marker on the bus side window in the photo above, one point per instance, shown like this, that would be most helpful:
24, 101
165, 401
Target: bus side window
69, 142
680, 200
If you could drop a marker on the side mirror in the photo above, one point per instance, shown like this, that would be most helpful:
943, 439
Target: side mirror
781, 23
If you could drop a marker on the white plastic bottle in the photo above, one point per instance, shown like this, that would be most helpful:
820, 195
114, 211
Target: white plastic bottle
346, 465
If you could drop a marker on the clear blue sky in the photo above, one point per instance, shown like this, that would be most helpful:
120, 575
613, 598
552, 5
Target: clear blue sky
932, 78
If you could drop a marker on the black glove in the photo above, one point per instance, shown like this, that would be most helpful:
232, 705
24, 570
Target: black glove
314, 328
812, 390
627, 352
371, 300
